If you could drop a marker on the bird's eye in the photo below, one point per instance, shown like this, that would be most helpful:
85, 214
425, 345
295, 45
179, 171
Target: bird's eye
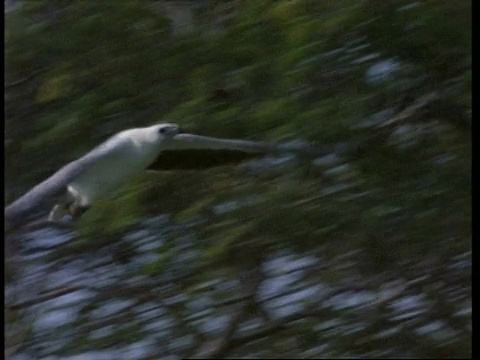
162, 130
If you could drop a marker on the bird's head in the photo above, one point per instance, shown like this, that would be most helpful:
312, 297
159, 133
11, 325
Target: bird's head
167, 130
161, 132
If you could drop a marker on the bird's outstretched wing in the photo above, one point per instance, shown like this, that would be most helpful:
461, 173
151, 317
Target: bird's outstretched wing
26, 205
18, 212
188, 151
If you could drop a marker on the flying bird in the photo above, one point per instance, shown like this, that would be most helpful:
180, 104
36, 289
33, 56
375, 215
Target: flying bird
121, 157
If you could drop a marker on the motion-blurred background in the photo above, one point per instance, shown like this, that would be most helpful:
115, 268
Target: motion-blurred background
363, 253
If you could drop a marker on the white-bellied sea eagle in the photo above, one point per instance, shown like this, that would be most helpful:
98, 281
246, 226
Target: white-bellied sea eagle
121, 157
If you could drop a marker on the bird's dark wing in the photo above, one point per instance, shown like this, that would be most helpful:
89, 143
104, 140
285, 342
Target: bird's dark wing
188, 151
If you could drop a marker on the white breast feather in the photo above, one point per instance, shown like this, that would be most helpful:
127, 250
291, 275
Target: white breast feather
136, 149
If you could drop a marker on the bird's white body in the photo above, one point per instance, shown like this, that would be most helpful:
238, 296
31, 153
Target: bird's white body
135, 149
115, 162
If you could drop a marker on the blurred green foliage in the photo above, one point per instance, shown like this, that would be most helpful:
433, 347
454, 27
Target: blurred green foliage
76, 72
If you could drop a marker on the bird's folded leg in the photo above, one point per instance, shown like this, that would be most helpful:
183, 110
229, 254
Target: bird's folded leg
76, 211
58, 212
69, 205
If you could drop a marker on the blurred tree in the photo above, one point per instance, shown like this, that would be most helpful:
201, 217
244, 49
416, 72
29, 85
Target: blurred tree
364, 252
